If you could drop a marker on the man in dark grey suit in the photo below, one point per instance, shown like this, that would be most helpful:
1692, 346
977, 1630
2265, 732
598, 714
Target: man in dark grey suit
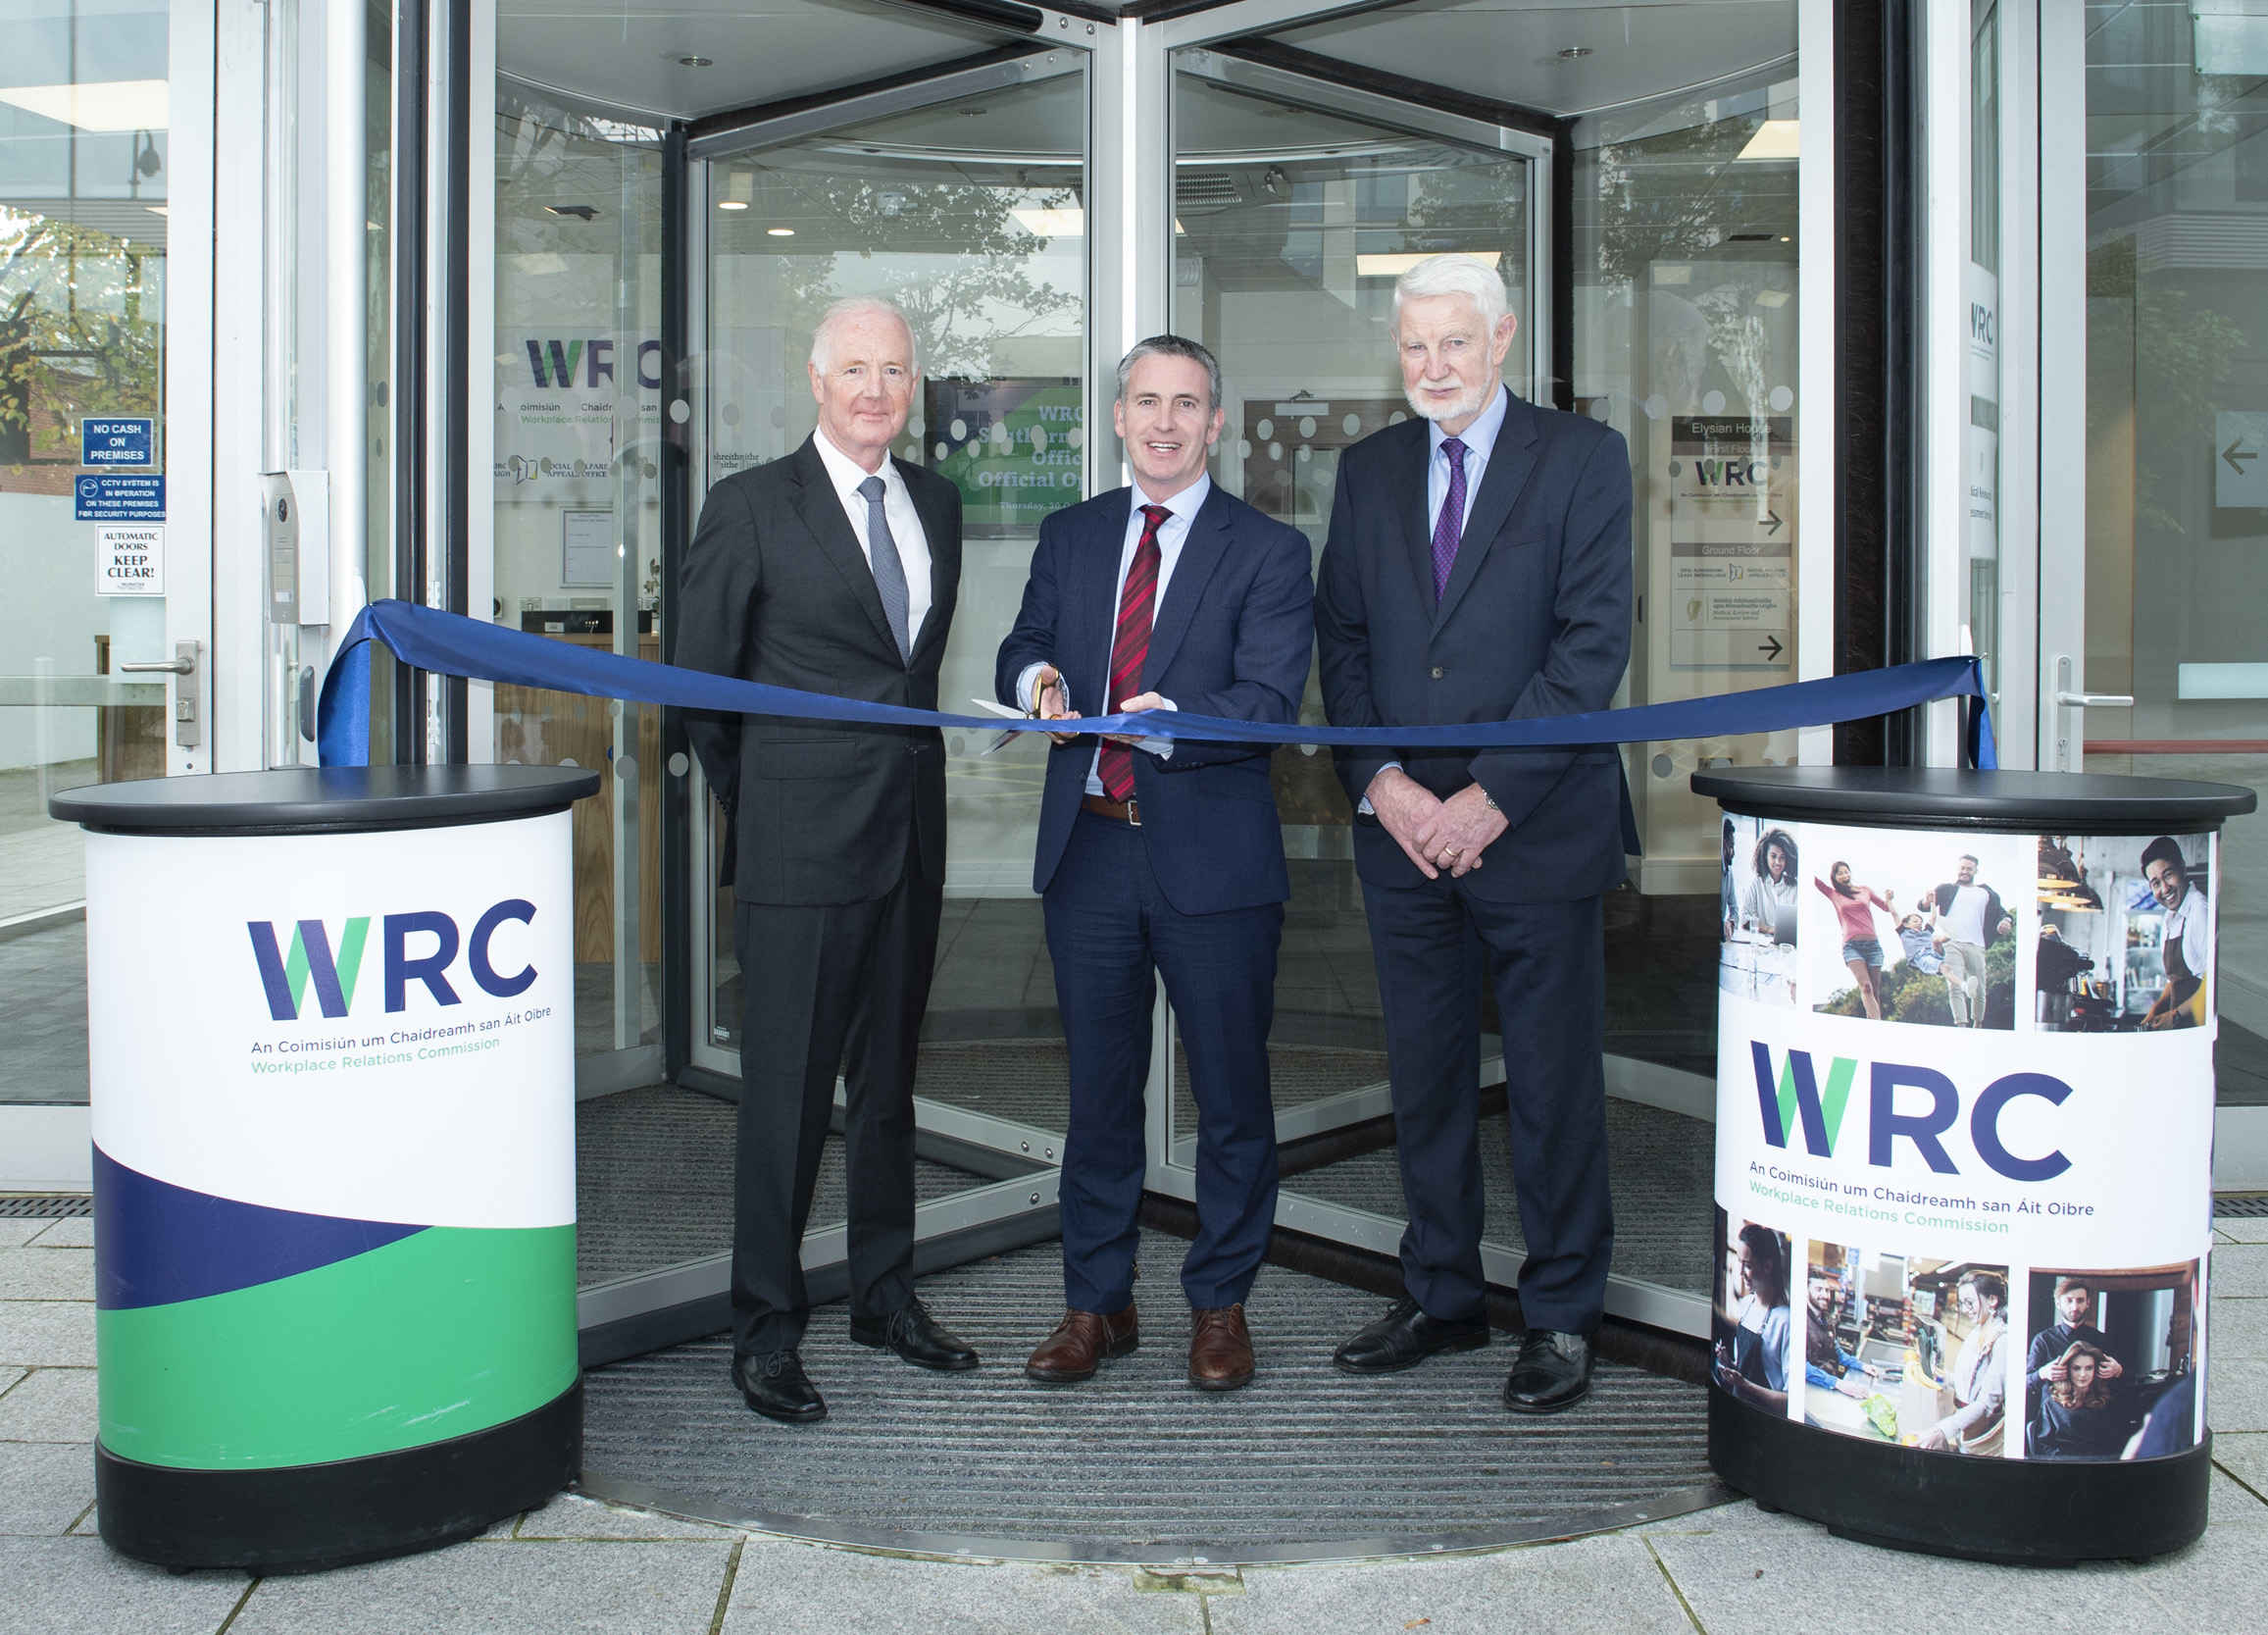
833, 570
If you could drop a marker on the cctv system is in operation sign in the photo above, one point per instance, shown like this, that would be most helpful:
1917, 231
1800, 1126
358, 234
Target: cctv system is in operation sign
1964, 1168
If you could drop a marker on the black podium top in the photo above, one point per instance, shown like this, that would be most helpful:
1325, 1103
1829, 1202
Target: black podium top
324, 800
1894, 797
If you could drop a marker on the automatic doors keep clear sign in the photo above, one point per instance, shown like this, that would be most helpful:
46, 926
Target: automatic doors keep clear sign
131, 560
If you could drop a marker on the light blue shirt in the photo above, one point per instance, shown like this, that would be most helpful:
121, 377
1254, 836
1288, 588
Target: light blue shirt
1182, 511
1480, 440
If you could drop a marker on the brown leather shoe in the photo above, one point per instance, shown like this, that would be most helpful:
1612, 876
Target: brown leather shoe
1219, 1349
1081, 1344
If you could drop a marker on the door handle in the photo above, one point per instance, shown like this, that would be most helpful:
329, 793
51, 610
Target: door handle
184, 666
188, 730
2066, 693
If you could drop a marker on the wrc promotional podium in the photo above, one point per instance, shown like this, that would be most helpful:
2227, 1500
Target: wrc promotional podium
1964, 1154
332, 1059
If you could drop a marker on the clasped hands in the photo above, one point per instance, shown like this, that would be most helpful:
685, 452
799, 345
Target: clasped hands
1433, 833
1049, 704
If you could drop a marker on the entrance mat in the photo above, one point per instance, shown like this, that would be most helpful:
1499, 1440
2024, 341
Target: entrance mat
1304, 1463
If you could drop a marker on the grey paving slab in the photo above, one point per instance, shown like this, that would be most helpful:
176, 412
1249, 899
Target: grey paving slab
604, 1589
2242, 1229
2243, 1455
47, 1333
2240, 1271
50, 1405
571, 1517
70, 1232
68, 1586
14, 1234
7, 1378
1798, 1580
2238, 1329
2216, 1586
2236, 1394
783, 1588
43, 1487
1602, 1584
46, 1274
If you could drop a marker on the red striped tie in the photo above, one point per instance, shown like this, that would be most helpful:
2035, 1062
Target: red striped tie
1129, 648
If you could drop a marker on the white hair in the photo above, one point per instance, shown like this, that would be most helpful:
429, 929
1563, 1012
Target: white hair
1453, 275
842, 312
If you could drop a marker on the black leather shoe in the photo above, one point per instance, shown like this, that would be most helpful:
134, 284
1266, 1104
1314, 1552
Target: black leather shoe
1552, 1372
774, 1385
1404, 1338
912, 1333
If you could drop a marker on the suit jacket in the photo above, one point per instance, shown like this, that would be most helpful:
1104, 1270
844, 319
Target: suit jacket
776, 589
1231, 637
1535, 620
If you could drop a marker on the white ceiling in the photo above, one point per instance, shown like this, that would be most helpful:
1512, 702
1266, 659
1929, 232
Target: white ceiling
1510, 49
760, 51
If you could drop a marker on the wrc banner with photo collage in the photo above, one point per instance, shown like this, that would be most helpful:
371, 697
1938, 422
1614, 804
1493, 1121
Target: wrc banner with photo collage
1942, 1221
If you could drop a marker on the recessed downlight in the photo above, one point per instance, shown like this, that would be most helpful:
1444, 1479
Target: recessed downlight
780, 233
696, 62
731, 204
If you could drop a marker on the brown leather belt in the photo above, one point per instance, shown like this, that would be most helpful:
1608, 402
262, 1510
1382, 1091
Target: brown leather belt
1127, 812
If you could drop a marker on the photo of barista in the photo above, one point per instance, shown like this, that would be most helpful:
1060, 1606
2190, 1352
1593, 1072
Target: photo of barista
1911, 926
1752, 1324
2111, 1367
2126, 934
1905, 1349
1757, 911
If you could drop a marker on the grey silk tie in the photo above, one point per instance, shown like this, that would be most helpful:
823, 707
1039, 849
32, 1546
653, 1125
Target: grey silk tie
890, 573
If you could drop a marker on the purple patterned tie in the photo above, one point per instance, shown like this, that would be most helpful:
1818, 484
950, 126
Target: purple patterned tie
1450, 524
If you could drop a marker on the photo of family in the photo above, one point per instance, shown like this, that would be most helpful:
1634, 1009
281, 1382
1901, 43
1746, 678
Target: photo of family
1758, 911
1905, 1349
1751, 1326
1912, 927
2126, 933
2111, 1369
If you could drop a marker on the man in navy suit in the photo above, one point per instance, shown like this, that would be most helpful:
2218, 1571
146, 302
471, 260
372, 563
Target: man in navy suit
1478, 569
1158, 857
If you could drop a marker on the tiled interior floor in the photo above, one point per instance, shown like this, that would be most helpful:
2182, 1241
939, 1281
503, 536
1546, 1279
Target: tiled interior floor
579, 1567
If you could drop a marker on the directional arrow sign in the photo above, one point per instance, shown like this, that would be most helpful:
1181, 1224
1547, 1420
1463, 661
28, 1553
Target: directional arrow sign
1770, 648
2239, 474
1771, 524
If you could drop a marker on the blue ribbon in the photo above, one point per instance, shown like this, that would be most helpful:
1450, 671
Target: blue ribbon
451, 645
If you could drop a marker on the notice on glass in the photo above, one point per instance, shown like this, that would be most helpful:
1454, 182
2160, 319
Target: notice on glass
1732, 543
130, 561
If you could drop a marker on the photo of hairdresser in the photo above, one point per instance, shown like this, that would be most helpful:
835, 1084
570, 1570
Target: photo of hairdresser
2108, 1351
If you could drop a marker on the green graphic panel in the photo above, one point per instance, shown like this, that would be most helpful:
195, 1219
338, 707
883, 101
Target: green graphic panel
446, 1332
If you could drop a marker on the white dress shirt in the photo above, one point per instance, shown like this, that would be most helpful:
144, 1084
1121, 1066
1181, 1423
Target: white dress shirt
846, 474
1182, 509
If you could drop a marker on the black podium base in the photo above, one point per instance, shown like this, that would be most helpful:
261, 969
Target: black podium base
303, 1517
2040, 1512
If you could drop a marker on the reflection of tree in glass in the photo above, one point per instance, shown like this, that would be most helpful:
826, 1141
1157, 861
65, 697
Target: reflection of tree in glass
979, 287
76, 332
2179, 358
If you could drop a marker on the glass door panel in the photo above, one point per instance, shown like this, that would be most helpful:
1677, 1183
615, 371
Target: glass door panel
1293, 214
86, 179
969, 215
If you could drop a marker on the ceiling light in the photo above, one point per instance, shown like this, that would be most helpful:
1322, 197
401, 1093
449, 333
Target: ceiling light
731, 204
1393, 266
104, 104
780, 233
1574, 52
1771, 298
1774, 140
696, 62
580, 211
1067, 222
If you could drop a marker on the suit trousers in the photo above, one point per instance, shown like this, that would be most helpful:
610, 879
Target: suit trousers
1434, 943
828, 987
1110, 933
